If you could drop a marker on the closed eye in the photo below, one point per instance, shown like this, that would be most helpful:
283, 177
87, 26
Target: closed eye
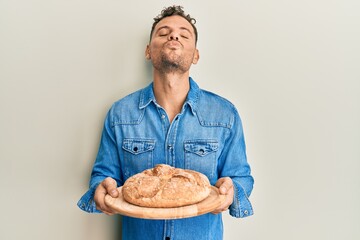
162, 32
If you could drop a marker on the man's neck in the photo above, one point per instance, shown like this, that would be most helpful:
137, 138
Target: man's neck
170, 91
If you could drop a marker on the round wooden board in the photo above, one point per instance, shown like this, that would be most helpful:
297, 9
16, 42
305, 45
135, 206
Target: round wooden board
120, 206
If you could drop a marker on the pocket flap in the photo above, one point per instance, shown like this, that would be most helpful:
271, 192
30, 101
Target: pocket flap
137, 146
201, 147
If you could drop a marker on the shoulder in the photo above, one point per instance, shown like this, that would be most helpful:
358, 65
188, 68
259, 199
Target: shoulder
213, 99
130, 100
126, 110
215, 110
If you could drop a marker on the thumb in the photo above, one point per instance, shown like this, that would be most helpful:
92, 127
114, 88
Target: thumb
110, 186
224, 185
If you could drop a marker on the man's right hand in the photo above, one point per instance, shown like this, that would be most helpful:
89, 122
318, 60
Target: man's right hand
108, 186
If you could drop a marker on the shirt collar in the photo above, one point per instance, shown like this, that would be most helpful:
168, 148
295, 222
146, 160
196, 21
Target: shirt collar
147, 96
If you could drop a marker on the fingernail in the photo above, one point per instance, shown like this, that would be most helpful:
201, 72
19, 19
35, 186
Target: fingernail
223, 190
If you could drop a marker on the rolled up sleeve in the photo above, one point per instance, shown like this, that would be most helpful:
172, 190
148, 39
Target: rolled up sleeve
235, 165
107, 164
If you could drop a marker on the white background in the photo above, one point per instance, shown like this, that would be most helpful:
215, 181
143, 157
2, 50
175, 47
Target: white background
290, 67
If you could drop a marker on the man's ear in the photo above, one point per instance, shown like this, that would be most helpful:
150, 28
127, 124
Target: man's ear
147, 52
196, 57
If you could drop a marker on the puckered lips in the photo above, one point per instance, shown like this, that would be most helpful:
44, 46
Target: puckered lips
173, 45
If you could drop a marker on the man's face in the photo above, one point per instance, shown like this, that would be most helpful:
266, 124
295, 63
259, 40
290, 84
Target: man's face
172, 46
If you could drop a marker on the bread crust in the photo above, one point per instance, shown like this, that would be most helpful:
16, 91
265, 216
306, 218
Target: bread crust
164, 187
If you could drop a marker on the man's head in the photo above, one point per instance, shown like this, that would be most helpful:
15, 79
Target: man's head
172, 46
174, 11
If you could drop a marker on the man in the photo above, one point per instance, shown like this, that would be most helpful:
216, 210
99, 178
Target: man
173, 121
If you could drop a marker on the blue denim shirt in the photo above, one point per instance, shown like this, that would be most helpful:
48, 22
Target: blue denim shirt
206, 136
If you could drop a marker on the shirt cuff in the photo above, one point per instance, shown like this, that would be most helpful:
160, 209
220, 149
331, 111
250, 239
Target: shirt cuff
86, 202
241, 206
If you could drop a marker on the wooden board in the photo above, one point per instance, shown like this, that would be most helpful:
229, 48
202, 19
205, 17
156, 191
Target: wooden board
120, 206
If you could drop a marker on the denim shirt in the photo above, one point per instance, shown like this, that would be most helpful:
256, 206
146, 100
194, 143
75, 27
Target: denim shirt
206, 136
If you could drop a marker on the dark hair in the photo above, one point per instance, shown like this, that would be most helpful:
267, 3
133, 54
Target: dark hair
172, 11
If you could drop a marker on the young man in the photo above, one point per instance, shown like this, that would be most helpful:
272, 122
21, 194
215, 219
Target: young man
173, 121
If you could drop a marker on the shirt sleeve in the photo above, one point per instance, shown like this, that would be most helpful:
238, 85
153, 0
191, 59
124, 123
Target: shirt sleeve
234, 165
107, 164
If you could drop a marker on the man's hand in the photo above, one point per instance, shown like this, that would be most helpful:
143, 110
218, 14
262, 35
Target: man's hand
226, 187
108, 186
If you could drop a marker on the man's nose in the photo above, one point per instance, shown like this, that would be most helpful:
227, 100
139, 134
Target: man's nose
173, 36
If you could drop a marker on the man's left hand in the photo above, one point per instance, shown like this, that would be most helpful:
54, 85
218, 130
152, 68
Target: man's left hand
226, 187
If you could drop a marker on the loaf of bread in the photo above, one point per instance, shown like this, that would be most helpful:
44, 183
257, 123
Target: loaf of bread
164, 187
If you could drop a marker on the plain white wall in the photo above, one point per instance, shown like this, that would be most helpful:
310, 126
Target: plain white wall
290, 67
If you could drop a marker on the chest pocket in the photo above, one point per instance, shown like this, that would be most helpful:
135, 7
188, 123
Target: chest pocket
201, 156
138, 155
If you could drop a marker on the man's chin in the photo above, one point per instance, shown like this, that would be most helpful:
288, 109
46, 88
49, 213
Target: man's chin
173, 61
169, 65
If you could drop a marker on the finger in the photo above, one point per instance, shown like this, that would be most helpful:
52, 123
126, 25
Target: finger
108, 213
224, 206
105, 209
110, 186
99, 198
224, 185
219, 182
228, 199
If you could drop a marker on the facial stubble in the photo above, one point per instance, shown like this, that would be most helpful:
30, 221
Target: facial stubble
172, 62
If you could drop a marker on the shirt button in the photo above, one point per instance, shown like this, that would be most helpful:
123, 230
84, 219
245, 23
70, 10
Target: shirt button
246, 212
169, 146
163, 116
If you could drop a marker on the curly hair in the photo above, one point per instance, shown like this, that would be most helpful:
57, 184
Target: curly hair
172, 11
